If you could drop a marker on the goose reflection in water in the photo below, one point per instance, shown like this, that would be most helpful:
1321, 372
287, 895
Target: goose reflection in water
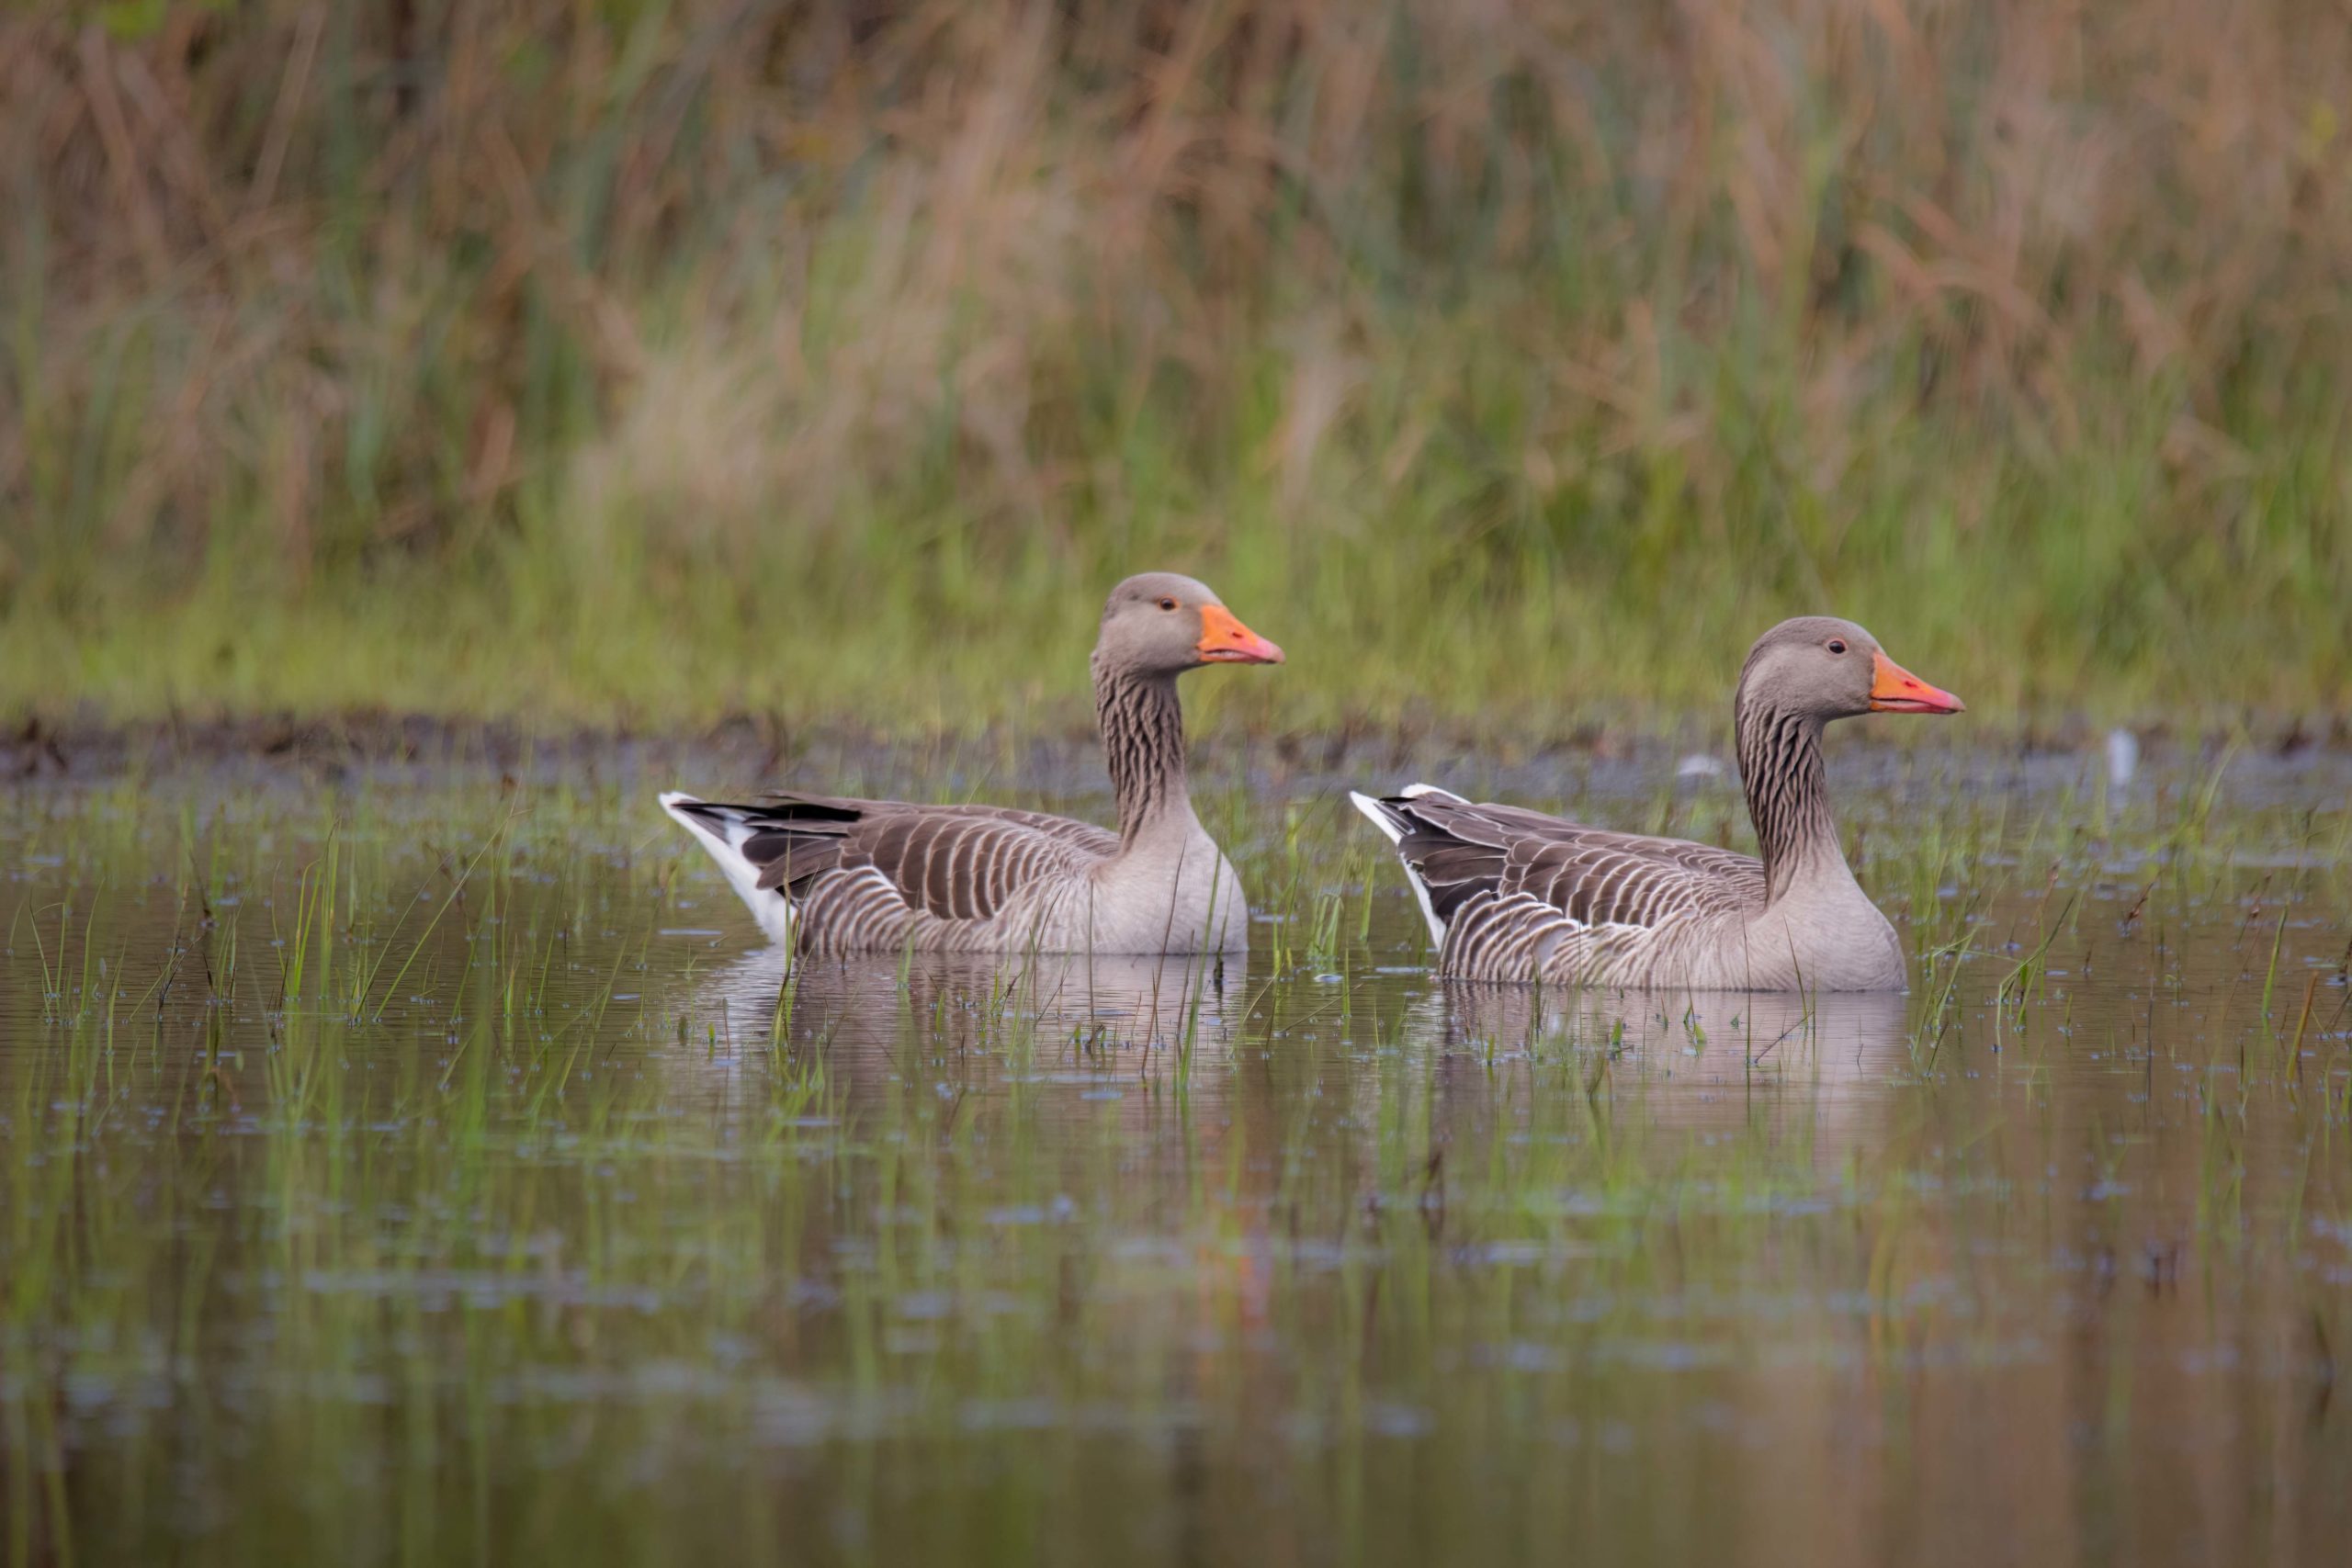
1697, 1060
1064, 1018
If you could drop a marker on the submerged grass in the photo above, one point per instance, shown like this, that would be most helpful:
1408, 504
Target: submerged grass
647, 363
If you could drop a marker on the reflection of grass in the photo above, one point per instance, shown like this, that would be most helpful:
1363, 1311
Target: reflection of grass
641, 363
392, 1178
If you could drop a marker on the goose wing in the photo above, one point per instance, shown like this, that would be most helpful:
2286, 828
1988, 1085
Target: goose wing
1515, 880
955, 863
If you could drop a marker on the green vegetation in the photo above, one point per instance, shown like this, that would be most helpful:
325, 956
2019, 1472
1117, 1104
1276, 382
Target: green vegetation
414, 1179
644, 363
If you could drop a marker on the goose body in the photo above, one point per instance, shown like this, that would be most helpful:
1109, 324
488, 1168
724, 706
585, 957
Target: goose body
1511, 894
830, 875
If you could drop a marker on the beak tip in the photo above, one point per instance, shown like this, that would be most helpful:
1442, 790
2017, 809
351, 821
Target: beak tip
1894, 689
1225, 640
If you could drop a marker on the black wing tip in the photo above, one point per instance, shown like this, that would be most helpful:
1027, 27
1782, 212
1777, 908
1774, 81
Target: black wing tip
791, 809
780, 810
681, 805
1410, 803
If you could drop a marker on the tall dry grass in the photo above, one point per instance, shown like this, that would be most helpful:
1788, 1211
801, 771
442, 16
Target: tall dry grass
643, 360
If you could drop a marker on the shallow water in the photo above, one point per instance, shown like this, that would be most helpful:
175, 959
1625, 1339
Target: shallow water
410, 1168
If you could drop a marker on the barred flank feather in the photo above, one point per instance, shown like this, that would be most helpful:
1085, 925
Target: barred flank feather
1517, 895
832, 876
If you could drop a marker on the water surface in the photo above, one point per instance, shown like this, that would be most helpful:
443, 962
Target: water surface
415, 1168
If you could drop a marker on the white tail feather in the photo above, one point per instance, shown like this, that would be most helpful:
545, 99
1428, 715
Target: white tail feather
1379, 816
769, 906
1386, 821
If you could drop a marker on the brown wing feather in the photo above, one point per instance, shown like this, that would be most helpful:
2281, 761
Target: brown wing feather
957, 863
1461, 849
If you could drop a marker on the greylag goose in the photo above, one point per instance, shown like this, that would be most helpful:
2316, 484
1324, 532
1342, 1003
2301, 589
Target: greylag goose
1515, 895
830, 875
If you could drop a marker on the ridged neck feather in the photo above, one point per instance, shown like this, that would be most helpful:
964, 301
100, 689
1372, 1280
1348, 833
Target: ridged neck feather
1143, 741
1787, 787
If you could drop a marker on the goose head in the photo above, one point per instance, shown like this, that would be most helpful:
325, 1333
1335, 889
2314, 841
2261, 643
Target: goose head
1823, 668
1161, 623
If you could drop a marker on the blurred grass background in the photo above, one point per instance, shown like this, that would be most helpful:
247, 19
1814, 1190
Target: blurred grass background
614, 361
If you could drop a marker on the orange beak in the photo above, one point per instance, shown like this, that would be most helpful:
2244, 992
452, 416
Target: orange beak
1894, 689
1225, 640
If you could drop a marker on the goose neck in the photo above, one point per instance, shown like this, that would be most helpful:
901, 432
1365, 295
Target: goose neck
1788, 794
1143, 742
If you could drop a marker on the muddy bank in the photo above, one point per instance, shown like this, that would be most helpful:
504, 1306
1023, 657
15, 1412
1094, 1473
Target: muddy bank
1059, 758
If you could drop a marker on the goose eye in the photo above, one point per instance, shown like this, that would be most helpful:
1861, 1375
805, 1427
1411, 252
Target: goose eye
1837, 644
1168, 604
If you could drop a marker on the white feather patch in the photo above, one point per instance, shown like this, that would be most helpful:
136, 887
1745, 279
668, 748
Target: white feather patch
1378, 816
769, 906
1386, 823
